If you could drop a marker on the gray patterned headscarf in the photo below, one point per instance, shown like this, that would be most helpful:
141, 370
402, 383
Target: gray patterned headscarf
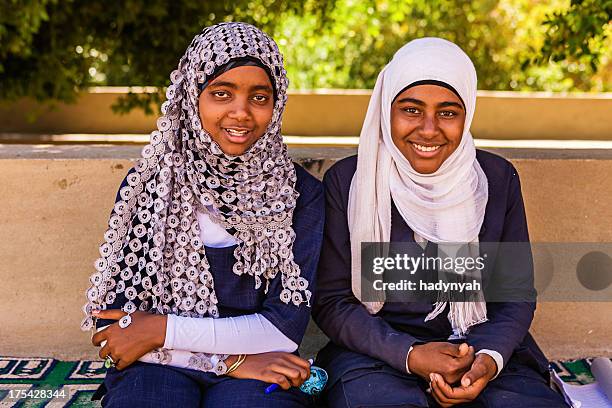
153, 252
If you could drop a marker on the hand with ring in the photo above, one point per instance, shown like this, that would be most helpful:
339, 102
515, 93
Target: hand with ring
130, 338
109, 362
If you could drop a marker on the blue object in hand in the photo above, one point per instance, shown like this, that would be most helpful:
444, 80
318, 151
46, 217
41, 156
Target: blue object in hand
314, 385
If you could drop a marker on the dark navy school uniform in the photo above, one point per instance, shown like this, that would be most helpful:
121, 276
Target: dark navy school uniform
153, 385
366, 357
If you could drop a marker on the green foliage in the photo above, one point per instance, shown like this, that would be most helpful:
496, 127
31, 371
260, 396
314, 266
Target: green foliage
578, 32
503, 38
51, 49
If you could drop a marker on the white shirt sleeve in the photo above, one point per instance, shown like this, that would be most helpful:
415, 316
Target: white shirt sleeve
247, 334
407, 355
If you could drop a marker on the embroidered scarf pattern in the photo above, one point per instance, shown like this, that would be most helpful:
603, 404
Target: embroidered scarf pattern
152, 251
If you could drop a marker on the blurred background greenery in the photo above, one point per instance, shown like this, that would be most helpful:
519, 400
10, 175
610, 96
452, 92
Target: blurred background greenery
52, 49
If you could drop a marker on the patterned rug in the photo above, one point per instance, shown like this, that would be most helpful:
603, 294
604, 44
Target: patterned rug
44, 382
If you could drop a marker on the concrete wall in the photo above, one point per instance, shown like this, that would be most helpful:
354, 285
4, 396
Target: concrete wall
55, 202
499, 115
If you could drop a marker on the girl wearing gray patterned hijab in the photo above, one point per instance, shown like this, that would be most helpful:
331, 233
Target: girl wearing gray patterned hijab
212, 244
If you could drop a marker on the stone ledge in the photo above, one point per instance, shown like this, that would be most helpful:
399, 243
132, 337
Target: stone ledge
56, 199
301, 153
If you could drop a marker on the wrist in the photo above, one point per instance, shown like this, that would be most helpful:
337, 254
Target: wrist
412, 361
489, 363
160, 338
235, 364
231, 360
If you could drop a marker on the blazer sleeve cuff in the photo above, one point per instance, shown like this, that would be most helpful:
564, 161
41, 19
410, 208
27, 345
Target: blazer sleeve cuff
398, 358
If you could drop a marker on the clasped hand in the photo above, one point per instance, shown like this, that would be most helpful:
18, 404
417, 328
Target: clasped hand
455, 373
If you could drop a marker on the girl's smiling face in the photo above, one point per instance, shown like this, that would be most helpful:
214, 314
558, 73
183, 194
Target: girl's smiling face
236, 108
427, 125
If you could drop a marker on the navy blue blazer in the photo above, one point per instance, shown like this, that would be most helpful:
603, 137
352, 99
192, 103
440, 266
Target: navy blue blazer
388, 335
237, 294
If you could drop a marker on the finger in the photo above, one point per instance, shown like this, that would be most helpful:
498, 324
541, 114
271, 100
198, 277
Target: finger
464, 350
436, 391
449, 394
465, 354
440, 403
303, 374
104, 352
477, 371
450, 349
111, 314
281, 380
298, 361
122, 364
99, 337
290, 373
463, 361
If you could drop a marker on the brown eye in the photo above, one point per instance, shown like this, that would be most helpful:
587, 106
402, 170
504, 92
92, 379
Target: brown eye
220, 94
411, 109
448, 114
260, 98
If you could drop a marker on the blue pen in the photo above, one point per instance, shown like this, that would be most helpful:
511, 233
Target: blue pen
271, 388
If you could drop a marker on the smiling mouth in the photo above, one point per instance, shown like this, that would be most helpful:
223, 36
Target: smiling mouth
426, 149
236, 132
237, 135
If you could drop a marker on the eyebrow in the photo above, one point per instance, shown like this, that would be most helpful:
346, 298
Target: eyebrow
261, 88
419, 102
234, 86
450, 104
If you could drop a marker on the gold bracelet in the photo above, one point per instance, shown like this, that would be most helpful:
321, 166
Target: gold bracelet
236, 364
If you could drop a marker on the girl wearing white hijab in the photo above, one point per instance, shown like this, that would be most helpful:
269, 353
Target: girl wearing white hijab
419, 178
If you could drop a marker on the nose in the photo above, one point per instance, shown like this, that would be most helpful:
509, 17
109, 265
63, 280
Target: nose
429, 127
240, 110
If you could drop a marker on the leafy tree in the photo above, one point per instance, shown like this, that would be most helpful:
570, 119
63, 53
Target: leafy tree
580, 35
503, 38
578, 32
51, 49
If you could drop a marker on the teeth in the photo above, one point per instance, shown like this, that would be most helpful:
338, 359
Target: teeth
426, 148
234, 132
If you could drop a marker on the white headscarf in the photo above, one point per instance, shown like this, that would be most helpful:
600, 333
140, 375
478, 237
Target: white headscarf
445, 206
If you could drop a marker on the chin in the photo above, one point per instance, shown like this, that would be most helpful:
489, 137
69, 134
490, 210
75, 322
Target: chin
425, 168
234, 150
